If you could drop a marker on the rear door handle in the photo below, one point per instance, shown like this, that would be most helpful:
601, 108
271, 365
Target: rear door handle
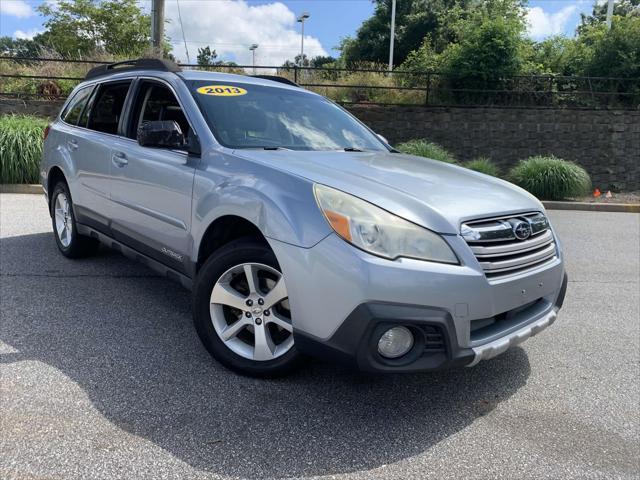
119, 159
73, 144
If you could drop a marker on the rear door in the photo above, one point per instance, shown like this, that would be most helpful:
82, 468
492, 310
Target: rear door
90, 145
151, 188
67, 139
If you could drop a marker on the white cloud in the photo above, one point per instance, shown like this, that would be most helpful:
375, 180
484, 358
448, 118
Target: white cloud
230, 27
28, 35
542, 24
16, 8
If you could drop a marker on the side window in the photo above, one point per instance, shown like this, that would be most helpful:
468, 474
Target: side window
72, 113
106, 108
157, 102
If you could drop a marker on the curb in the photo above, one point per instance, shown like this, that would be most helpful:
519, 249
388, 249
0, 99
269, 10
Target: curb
593, 207
21, 188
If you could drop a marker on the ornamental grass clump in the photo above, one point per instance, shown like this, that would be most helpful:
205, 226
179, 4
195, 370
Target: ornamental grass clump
423, 148
551, 178
20, 148
483, 165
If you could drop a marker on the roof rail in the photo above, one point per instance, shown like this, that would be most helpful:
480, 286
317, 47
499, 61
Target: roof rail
129, 65
275, 78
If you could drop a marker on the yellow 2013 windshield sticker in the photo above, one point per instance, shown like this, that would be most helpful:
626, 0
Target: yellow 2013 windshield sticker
222, 90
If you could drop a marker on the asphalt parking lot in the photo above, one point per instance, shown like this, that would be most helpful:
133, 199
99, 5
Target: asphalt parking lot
103, 376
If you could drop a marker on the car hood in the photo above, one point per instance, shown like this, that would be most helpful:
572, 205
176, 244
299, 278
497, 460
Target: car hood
436, 195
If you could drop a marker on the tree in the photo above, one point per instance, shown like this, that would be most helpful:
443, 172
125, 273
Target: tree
415, 19
320, 61
615, 52
621, 8
82, 27
206, 56
19, 47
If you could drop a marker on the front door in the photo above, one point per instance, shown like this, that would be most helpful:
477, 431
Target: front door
151, 188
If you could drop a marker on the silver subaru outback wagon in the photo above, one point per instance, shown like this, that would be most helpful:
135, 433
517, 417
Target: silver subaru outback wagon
298, 230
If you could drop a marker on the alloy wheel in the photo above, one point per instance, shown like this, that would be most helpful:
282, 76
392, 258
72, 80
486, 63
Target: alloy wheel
64, 222
250, 312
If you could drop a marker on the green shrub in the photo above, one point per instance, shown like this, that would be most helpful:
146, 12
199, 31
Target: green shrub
483, 165
20, 148
550, 178
423, 148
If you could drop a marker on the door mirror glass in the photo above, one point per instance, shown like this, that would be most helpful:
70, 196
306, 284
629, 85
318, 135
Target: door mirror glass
161, 134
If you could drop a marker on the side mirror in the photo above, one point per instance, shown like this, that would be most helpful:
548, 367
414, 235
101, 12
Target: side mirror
382, 138
161, 134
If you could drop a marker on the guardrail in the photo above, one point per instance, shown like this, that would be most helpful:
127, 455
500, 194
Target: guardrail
30, 77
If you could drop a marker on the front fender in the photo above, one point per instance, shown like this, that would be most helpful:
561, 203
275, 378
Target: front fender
280, 204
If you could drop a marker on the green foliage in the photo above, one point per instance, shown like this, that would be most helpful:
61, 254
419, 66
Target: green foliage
483, 165
415, 19
82, 27
621, 8
206, 56
488, 52
18, 47
423, 148
550, 178
20, 148
614, 53
322, 61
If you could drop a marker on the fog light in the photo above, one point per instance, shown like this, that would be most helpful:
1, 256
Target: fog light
395, 342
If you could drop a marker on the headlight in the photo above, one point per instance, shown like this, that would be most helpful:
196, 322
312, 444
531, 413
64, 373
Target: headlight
379, 232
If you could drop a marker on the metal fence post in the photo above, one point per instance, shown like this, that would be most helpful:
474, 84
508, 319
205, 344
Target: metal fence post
295, 74
426, 91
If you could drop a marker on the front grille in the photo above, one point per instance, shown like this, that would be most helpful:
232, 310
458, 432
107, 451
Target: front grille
498, 246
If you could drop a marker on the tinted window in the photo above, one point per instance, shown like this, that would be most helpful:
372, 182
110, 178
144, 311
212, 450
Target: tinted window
157, 102
76, 105
255, 116
107, 107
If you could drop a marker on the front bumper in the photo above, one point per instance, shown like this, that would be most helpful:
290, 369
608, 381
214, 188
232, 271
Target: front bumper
343, 299
436, 347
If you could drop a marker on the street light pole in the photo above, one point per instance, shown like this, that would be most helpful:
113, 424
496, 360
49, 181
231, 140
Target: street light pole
157, 26
393, 33
609, 14
253, 48
301, 20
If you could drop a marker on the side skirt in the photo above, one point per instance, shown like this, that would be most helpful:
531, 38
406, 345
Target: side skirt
133, 254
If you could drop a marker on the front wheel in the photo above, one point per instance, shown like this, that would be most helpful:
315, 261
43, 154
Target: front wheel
242, 313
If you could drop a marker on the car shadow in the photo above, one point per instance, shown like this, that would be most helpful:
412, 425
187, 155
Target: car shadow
124, 335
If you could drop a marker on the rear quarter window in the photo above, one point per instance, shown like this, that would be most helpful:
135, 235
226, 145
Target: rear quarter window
73, 110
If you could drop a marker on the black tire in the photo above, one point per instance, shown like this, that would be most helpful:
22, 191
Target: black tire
233, 254
79, 245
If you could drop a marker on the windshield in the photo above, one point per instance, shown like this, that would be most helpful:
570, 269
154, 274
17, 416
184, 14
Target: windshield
255, 116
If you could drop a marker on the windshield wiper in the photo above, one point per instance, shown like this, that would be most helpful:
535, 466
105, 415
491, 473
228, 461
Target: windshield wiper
274, 148
353, 149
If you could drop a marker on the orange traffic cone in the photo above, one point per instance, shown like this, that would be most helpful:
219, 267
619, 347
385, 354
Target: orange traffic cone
597, 193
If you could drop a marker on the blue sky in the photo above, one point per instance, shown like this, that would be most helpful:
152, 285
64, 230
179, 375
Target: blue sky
230, 26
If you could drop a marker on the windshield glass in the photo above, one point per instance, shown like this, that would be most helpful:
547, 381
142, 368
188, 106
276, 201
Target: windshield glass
255, 116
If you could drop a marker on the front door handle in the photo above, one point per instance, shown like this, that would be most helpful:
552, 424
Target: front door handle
73, 144
119, 159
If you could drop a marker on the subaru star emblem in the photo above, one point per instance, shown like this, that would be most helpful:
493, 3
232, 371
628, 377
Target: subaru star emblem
522, 230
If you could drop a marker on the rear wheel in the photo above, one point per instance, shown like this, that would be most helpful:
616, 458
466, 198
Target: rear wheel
241, 310
70, 243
